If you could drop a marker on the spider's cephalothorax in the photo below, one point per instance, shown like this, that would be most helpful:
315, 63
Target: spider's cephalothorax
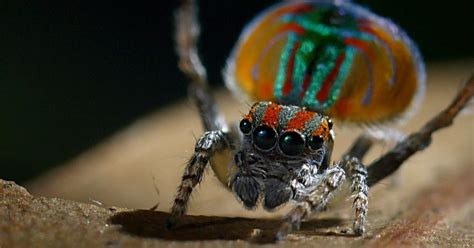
284, 151
303, 61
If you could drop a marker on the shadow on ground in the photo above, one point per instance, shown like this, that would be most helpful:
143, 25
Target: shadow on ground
152, 224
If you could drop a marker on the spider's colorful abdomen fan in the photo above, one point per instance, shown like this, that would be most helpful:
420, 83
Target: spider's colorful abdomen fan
339, 59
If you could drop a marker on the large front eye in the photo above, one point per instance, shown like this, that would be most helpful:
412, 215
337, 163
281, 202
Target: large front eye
245, 126
264, 137
291, 143
316, 142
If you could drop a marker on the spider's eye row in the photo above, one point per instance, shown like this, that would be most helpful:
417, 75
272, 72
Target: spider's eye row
291, 143
245, 126
264, 137
316, 142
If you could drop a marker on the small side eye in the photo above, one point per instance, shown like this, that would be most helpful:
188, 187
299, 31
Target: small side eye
330, 124
291, 143
245, 126
264, 137
316, 142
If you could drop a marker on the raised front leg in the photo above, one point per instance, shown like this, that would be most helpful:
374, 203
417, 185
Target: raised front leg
360, 192
209, 143
315, 201
187, 35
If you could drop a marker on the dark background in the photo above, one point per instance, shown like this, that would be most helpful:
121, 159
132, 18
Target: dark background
73, 72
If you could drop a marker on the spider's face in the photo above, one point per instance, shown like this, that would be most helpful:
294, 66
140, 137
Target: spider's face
285, 134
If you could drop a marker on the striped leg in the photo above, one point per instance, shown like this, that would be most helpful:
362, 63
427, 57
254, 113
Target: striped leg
216, 138
365, 141
314, 202
206, 146
187, 35
360, 192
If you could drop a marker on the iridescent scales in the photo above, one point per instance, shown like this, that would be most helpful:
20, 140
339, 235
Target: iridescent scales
341, 60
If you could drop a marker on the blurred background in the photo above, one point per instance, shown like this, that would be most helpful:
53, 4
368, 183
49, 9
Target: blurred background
74, 72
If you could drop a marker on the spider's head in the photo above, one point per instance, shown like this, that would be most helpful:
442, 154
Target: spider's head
283, 133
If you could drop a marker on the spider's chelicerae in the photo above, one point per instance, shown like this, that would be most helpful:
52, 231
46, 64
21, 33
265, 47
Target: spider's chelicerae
303, 63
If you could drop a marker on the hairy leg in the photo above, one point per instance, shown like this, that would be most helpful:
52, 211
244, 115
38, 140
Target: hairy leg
187, 35
360, 191
315, 201
393, 159
209, 143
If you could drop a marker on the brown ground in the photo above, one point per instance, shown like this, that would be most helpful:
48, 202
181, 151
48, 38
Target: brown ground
430, 201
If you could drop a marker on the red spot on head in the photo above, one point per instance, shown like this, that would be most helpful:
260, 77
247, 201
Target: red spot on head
270, 117
299, 120
251, 113
323, 130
